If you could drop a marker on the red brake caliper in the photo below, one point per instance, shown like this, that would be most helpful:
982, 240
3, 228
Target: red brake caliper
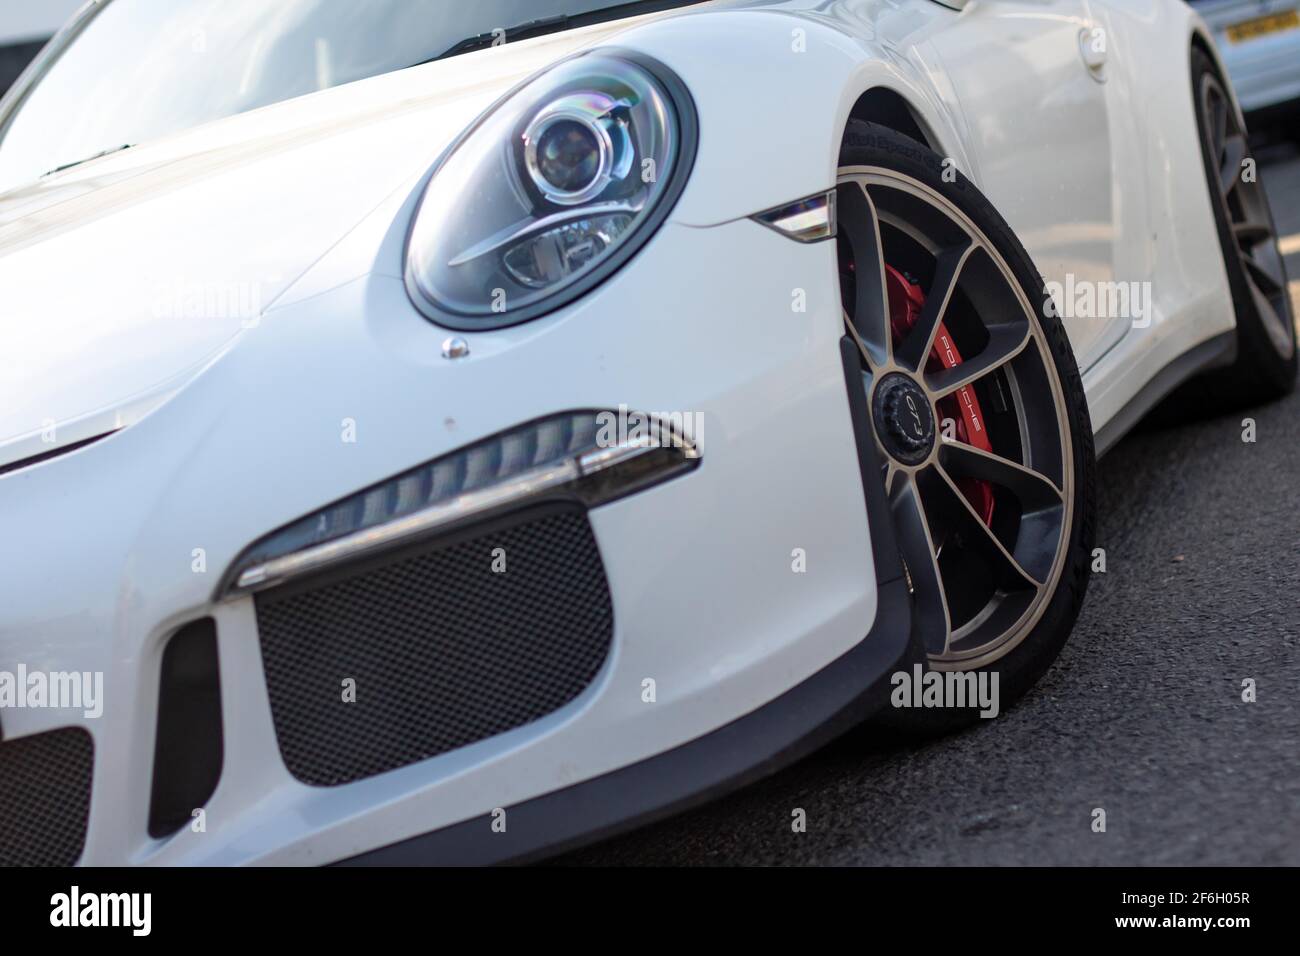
906, 300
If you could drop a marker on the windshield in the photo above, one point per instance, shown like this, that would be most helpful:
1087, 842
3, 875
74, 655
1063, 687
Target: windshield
141, 69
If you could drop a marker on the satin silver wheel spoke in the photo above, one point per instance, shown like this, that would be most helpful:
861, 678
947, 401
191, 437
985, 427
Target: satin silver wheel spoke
916, 348
1033, 489
980, 536
1234, 151
870, 359
1005, 343
1273, 322
912, 524
1042, 502
870, 317
1268, 281
1220, 121
892, 474
1252, 231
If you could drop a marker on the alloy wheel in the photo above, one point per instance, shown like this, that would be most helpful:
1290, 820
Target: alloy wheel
967, 411
1248, 213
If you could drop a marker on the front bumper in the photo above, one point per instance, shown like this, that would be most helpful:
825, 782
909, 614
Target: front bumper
111, 549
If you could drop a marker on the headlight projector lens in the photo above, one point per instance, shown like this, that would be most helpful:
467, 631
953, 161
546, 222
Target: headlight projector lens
569, 156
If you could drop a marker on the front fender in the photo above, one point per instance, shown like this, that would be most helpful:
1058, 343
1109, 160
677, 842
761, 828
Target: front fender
778, 87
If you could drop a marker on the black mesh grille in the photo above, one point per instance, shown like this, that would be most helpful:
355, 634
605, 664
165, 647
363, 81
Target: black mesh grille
444, 650
45, 797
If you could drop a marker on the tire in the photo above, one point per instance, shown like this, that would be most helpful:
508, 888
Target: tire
1264, 369
872, 152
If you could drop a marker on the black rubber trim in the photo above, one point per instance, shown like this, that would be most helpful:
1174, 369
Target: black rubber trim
804, 718
1213, 351
889, 565
56, 453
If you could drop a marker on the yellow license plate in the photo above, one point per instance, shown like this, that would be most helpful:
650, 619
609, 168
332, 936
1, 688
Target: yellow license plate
1261, 26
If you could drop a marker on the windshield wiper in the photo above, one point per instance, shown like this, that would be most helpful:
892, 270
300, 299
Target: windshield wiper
99, 155
565, 21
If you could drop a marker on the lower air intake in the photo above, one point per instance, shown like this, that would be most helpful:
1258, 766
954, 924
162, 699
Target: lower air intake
45, 797
188, 745
394, 661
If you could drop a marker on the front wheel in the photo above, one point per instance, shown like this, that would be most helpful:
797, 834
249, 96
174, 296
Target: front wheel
978, 414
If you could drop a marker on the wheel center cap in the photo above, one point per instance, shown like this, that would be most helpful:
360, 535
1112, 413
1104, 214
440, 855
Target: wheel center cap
904, 420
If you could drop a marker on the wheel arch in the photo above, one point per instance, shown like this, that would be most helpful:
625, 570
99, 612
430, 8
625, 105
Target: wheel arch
804, 78
887, 107
1201, 40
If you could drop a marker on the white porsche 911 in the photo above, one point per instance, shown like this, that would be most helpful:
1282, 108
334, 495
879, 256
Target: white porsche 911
445, 432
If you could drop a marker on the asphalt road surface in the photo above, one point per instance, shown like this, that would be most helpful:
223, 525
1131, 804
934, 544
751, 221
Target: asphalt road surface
1141, 716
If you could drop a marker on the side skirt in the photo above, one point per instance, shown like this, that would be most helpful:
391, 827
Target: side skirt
1221, 349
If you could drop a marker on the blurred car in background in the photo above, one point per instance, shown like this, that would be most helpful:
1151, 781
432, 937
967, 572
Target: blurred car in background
25, 26
1259, 42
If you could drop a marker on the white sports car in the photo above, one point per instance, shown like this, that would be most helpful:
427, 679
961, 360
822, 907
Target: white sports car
443, 432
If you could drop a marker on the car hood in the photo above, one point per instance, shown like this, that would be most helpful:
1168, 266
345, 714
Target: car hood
125, 277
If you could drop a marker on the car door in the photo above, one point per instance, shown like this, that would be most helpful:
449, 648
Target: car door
1031, 79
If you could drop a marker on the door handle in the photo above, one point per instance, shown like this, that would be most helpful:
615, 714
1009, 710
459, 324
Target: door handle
1094, 48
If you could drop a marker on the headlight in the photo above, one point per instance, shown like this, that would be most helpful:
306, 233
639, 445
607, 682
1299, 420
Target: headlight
551, 191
